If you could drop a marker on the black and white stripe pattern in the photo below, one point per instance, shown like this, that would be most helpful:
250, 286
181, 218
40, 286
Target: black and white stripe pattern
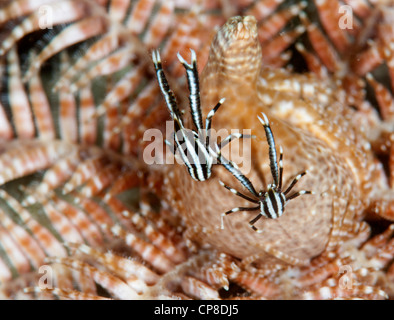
272, 149
193, 146
194, 88
270, 203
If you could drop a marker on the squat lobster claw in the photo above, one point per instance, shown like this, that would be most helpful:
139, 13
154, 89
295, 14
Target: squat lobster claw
194, 145
271, 203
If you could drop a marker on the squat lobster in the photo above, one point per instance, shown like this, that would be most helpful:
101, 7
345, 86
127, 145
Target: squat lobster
196, 150
271, 203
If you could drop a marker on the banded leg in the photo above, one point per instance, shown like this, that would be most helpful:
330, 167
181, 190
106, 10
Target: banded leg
293, 184
233, 169
299, 193
208, 120
236, 210
233, 136
194, 88
239, 194
280, 168
171, 145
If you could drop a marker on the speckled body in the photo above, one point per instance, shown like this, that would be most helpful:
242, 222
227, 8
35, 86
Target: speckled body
313, 138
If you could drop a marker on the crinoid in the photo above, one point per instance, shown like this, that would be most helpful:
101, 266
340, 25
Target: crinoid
83, 216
